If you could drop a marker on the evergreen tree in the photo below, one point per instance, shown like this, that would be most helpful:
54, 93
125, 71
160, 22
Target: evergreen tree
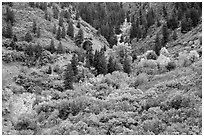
102, 65
78, 25
15, 38
150, 17
172, 21
61, 21
121, 39
174, 35
157, 46
63, 32
8, 31
80, 37
127, 65
90, 56
74, 64
54, 29
70, 30
13, 44
38, 32
58, 37
34, 26
96, 58
52, 47
10, 15
60, 49
49, 71
68, 77
38, 50
111, 65
165, 34
164, 11
28, 37
186, 24
55, 12
46, 15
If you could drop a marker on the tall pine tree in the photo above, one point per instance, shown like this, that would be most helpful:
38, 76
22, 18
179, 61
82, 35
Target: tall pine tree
58, 37
70, 30
63, 32
68, 77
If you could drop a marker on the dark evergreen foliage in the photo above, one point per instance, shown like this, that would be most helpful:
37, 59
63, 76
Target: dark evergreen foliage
68, 77
74, 63
28, 37
59, 34
63, 32
70, 30
10, 17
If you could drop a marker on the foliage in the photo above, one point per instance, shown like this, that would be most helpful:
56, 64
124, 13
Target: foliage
10, 17
8, 31
68, 77
28, 37
59, 34
70, 30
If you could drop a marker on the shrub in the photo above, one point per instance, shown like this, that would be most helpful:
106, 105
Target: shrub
140, 79
25, 123
171, 65
28, 37
49, 71
152, 55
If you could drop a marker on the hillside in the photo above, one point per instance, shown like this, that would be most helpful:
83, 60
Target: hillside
100, 68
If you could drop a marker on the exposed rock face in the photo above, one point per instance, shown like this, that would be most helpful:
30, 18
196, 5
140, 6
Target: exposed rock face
164, 51
163, 60
21, 104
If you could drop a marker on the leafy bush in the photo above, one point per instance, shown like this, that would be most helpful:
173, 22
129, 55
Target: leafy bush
171, 65
25, 123
152, 55
140, 79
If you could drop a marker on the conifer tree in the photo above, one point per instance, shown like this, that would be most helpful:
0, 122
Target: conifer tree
58, 37
52, 46
78, 25
61, 21
80, 37
96, 59
10, 15
165, 34
38, 50
38, 32
127, 65
111, 65
8, 31
70, 30
63, 32
157, 46
55, 12
68, 77
174, 35
74, 64
28, 37
54, 29
102, 65
49, 71
34, 26
15, 38
60, 48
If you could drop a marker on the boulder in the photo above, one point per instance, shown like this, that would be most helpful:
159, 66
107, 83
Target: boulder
164, 51
163, 60
190, 43
197, 42
193, 56
200, 38
185, 43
